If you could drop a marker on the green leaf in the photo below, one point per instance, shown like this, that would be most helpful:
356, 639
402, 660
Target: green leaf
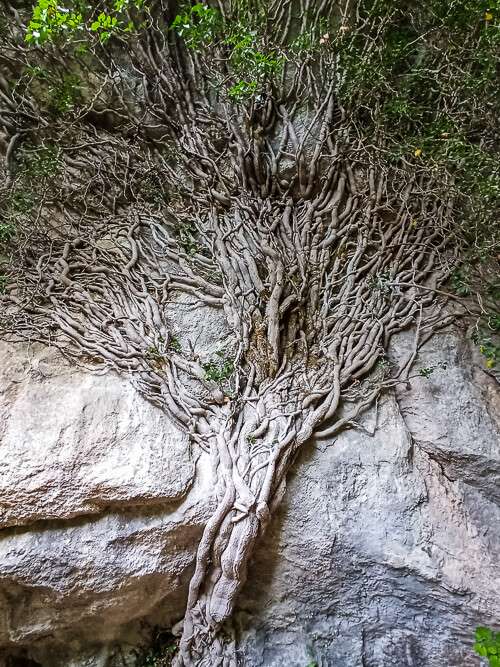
482, 633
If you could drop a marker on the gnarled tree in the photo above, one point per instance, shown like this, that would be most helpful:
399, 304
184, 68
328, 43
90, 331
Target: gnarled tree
238, 153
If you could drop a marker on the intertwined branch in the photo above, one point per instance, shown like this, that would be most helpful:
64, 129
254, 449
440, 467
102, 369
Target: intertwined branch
277, 212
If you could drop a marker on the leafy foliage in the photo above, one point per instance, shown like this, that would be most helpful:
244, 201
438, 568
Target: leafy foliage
488, 645
201, 26
198, 25
65, 94
427, 371
50, 22
7, 231
219, 370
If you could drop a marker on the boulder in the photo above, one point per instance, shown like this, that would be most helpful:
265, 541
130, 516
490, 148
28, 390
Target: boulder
102, 504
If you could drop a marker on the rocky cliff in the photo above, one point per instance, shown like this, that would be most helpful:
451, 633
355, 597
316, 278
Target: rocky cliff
386, 549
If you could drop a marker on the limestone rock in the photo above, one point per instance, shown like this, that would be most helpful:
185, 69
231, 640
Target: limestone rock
97, 525
385, 551
74, 443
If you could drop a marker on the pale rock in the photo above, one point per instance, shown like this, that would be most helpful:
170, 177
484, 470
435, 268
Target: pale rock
385, 551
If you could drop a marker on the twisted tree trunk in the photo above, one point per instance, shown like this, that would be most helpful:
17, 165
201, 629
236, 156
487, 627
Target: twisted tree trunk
278, 214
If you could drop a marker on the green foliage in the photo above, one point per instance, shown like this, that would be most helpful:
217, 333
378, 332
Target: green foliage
201, 26
483, 338
3, 283
423, 76
65, 94
242, 90
487, 645
381, 282
460, 281
246, 59
490, 351
311, 39
429, 370
175, 344
7, 231
150, 189
186, 237
20, 201
39, 163
198, 25
51, 21
104, 25
219, 370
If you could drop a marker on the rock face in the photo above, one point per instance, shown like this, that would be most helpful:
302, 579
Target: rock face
100, 512
386, 550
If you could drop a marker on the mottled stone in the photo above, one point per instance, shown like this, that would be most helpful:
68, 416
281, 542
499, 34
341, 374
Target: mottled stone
73, 443
385, 552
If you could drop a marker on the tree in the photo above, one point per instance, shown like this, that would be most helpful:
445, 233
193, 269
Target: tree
284, 162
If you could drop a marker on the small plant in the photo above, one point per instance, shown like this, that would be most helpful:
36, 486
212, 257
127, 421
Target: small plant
487, 645
427, 371
460, 282
487, 346
7, 231
381, 282
40, 162
65, 95
384, 367
219, 370
151, 191
490, 351
186, 236
175, 345
20, 202
242, 90
3, 283
37, 72
247, 59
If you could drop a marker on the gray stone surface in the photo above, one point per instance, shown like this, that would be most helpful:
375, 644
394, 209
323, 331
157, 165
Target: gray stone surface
73, 443
102, 503
385, 551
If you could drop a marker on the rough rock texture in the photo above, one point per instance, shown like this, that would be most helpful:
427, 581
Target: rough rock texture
74, 443
387, 548
385, 552
96, 482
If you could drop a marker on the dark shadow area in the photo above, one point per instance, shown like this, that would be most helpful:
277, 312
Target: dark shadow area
19, 661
